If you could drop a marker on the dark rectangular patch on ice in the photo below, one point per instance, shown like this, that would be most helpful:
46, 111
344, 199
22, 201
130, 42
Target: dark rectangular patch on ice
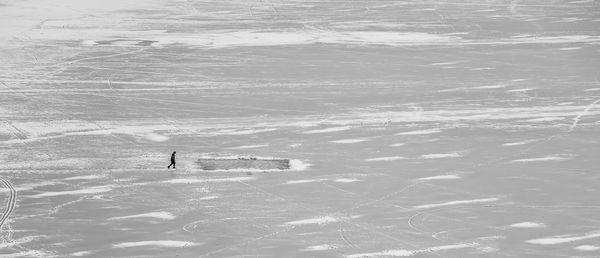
243, 164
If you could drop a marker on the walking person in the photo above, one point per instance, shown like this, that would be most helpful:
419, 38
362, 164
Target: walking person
172, 161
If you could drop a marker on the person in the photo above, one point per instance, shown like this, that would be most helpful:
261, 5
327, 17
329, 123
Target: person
172, 160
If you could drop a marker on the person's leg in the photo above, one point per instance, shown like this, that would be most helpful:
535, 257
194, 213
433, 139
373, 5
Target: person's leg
174, 165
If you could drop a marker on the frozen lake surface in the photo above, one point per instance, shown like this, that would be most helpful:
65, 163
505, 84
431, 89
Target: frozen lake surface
412, 128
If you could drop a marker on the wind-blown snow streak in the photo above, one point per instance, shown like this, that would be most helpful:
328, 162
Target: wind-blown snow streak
386, 158
319, 247
161, 243
443, 177
318, 221
207, 180
346, 141
248, 147
83, 177
255, 38
304, 181
322, 220
547, 158
405, 253
587, 248
441, 155
91, 190
421, 132
157, 215
427, 206
329, 130
346, 180
563, 239
519, 143
41, 130
528, 224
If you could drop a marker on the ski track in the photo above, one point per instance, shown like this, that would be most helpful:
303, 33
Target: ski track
10, 204
583, 113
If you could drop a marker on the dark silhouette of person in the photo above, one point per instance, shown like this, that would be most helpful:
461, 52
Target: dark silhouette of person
172, 160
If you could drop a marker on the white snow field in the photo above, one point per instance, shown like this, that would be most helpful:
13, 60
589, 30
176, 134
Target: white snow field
412, 128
